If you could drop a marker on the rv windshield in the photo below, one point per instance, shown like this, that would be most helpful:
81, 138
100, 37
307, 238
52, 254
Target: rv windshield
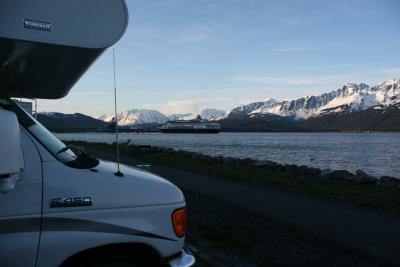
68, 155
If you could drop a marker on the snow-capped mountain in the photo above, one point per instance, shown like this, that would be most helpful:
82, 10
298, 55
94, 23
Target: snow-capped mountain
245, 110
183, 116
351, 97
354, 107
136, 116
141, 116
209, 114
212, 114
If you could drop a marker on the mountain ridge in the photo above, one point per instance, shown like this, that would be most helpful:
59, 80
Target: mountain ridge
57, 121
142, 116
354, 107
136, 116
352, 97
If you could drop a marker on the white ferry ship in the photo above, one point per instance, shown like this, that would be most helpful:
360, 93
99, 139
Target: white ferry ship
197, 125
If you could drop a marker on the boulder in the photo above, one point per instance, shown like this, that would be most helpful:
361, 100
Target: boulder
292, 168
281, 168
389, 182
364, 178
219, 159
126, 142
195, 157
247, 160
262, 163
229, 159
304, 170
325, 173
309, 172
341, 175
315, 171
207, 158
144, 147
237, 161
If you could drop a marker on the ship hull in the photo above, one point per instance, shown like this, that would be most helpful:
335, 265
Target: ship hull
190, 130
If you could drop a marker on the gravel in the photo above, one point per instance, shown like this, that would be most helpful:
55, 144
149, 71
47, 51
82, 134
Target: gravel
229, 236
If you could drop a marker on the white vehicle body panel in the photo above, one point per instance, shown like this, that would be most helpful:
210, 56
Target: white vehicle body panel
133, 209
104, 227
88, 24
136, 188
45, 47
20, 211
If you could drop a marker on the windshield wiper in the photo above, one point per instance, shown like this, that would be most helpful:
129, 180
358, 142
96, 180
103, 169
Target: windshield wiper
62, 150
82, 160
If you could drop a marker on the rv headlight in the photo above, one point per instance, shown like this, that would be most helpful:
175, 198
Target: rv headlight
179, 219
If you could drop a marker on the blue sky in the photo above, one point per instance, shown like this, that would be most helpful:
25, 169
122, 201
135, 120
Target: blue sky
181, 56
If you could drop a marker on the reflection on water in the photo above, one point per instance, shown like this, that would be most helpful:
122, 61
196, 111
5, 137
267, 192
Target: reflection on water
375, 153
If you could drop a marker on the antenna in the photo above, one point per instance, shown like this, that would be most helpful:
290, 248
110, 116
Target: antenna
118, 173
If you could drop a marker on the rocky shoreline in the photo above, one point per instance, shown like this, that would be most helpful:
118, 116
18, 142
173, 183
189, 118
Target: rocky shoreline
298, 172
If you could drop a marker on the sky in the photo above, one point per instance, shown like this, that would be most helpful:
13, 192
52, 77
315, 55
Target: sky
181, 56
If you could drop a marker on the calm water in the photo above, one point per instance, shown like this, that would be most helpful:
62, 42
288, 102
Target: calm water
375, 153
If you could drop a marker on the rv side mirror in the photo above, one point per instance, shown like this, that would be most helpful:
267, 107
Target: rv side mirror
11, 159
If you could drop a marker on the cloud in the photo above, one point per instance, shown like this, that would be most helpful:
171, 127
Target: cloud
295, 21
192, 105
217, 5
186, 34
167, 2
393, 71
371, 76
292, 49
195, 33
289, 80
294, 80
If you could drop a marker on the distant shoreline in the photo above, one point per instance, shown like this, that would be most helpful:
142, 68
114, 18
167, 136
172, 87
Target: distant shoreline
222, 131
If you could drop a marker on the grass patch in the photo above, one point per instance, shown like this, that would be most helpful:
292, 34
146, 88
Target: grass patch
362, 195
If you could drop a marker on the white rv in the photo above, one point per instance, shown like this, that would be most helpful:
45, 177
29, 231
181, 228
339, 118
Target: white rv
58, 205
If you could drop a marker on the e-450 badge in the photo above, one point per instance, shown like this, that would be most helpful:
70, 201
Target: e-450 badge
70, 202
